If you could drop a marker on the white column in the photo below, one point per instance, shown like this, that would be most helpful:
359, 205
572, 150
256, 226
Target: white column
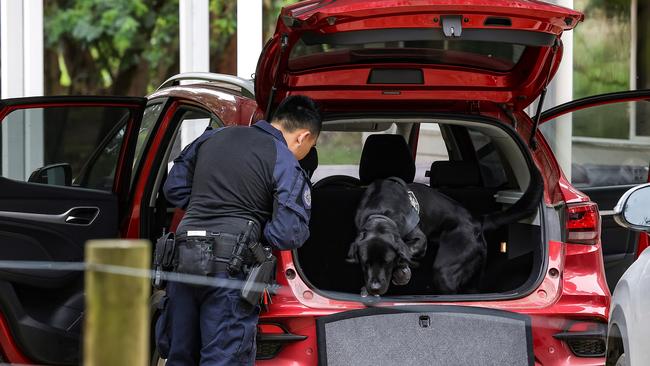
33, 82
194, 17
13, 141
21, 28
249, 36
560, 91
634, 29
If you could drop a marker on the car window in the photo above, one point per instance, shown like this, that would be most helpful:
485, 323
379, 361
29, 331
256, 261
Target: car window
149, 119
610, 144
415, 45
192, 124
339, 152
85, 140
490, 165
431, 147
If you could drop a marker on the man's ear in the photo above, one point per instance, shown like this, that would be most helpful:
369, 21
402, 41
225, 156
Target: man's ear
303, 136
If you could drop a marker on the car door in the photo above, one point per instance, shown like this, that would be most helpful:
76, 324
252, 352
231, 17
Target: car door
66, 165
610, 152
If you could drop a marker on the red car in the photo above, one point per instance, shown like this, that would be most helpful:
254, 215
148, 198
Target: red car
453, 73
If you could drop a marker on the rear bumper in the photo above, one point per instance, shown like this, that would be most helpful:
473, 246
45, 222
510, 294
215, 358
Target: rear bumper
547, 350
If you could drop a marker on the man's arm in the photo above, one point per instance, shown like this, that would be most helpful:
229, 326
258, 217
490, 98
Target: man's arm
289, 225
178, 185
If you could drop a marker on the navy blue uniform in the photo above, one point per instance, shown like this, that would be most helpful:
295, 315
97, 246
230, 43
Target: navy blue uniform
223, 179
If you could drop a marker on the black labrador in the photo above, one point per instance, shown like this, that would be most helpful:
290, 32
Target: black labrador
388, 243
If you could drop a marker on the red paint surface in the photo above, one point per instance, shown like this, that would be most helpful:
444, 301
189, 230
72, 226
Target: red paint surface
10, 349
517, 87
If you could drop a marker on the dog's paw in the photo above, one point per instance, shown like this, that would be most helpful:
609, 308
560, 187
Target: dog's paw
401, 276
364, 292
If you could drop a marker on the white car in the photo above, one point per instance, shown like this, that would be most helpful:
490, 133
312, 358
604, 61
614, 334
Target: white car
628, 336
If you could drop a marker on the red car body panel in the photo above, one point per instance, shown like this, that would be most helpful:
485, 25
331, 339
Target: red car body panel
518, 87
9, 347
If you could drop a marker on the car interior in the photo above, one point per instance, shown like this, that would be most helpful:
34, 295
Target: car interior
486, 171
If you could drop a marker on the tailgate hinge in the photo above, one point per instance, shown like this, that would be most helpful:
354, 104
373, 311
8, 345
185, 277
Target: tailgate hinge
284, 41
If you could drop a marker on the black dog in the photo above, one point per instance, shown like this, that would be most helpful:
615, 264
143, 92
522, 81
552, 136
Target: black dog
390, 240
388, 243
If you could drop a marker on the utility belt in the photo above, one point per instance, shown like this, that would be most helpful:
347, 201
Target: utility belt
206, 253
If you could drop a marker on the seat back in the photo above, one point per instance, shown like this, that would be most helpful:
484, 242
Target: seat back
386, 156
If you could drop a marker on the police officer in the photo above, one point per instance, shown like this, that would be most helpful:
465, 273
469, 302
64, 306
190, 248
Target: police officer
224, 179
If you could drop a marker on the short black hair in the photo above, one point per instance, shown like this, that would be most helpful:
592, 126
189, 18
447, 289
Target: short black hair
298, 111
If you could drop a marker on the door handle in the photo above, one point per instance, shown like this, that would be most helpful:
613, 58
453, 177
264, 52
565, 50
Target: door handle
81, 215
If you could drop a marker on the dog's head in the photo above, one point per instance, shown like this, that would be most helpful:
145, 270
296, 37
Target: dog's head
379, 249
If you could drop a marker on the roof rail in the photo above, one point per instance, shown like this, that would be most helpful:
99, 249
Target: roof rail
247, 86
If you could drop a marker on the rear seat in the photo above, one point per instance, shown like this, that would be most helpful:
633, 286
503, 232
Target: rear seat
461, 180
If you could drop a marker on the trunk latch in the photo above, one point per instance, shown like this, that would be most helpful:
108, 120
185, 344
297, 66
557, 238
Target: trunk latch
451, 25
425, 321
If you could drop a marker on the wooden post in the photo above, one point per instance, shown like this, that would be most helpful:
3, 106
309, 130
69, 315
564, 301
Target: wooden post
117, 305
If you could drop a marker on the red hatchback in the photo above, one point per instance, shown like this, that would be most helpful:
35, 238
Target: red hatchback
450, 77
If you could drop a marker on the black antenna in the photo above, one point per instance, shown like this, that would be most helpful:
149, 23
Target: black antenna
283, 46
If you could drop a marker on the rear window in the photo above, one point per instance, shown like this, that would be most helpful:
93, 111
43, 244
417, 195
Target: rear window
402, 46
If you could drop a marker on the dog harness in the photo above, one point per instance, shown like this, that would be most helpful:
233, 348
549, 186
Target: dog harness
413, 217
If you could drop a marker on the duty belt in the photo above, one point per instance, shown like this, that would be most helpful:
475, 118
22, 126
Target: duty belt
204, 252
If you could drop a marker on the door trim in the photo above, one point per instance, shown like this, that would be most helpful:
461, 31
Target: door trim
594, 100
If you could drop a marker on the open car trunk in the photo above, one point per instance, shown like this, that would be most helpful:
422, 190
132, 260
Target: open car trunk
487, 169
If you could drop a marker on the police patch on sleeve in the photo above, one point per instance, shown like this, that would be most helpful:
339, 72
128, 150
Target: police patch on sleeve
306, 197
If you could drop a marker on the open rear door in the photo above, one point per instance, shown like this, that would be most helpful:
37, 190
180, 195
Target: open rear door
66, 164
610, 154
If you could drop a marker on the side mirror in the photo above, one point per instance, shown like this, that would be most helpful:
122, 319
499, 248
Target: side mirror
54, 174
633, 209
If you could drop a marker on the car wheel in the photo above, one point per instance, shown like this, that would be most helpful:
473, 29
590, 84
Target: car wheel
615, 348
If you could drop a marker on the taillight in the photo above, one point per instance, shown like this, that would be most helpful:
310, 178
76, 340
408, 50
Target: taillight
583, 223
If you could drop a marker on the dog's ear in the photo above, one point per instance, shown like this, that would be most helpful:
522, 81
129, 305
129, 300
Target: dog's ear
404, 252
352, 257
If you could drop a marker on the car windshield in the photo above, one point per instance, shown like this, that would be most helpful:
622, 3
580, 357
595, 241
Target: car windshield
313, 50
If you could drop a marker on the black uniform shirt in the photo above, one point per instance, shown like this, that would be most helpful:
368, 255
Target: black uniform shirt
234, 174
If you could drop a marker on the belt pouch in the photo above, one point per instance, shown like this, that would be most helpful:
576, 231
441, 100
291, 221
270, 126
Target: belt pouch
195, 257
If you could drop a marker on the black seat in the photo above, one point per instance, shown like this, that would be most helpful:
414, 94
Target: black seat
386, 156
461, 180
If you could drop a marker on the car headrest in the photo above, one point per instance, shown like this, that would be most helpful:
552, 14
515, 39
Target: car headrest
454, 174
310, 162
386, 156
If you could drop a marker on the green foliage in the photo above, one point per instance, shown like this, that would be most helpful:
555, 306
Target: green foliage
106, 40
339, 147
601, 64
611, 8
130, 46
272, 10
